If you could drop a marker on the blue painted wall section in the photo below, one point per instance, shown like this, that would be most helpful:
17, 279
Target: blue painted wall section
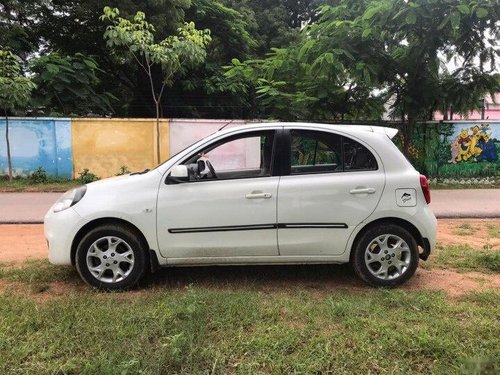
37, 142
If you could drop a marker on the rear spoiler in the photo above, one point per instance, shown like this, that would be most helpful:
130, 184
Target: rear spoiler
390, 132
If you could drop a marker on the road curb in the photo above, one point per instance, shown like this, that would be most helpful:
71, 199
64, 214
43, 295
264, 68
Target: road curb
14, 222
467, 216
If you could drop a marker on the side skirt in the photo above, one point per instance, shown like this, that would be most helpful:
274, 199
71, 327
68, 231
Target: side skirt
267, 260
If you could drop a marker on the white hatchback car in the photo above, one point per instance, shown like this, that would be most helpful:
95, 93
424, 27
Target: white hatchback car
273, 193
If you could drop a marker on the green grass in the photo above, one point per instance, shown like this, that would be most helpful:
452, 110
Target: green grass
493, 230
199, 330
241, 320
25, 184
465, 258
465, 229
36, 271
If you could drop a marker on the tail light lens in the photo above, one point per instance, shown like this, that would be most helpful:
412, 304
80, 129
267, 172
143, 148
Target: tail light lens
424, 184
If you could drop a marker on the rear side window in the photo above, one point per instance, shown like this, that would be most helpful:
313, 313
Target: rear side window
357, 157
324, 152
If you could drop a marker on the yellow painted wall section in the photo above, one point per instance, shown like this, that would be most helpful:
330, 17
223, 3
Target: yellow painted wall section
104, 145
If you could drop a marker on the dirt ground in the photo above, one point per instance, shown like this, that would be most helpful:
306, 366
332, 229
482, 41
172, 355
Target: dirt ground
22, 242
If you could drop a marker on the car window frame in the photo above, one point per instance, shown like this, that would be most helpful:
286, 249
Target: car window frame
220, 141
286, 163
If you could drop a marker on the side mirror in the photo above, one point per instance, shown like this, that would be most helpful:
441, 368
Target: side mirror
178, 174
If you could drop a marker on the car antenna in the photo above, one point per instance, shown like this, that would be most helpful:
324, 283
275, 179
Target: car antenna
226, 124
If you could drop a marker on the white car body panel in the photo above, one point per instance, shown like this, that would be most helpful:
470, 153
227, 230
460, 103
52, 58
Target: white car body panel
146, 202
204, 211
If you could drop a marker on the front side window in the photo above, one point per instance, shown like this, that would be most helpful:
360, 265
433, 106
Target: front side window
324, 152
242, 156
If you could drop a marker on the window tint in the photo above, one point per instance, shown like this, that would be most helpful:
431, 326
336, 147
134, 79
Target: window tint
313, 151
242, 156
357, 157
321, 152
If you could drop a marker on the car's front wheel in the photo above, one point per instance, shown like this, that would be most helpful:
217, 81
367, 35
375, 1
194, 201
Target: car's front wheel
111, 257
385, 256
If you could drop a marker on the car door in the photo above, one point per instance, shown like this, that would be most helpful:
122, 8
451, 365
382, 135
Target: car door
332, 184
231, 214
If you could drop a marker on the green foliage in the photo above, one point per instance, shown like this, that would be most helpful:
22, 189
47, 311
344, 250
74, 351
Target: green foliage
123, 171
15, 92
469, 170
18, 26
39, 176
66, 85
86, 177
173, 55
15, 88
289, 88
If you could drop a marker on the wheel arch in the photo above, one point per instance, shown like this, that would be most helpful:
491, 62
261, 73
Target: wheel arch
103, 221
405, 224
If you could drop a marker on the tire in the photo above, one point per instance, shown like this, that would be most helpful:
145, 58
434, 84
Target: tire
111, 257
385, 256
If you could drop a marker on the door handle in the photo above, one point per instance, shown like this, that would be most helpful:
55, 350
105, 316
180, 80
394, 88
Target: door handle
258, 196
362, 191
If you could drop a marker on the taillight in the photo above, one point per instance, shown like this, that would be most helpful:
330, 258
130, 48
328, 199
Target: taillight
424, 184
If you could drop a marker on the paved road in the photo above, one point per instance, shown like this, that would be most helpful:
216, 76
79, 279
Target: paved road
470, 203
25, 207
481, 203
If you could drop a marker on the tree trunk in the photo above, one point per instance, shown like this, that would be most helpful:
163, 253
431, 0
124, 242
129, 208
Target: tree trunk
158, 143
408, 134
9, 161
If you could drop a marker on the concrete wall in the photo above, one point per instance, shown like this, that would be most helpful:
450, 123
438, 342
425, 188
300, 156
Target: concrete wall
104, 145
64, 147
37, 142
185, 132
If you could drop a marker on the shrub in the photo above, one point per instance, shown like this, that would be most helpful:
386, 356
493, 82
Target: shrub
39, 176
123, 170
87, 177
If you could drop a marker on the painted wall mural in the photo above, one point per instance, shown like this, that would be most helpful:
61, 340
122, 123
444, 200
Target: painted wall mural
37, 143
474, 144
64, 147
465, 149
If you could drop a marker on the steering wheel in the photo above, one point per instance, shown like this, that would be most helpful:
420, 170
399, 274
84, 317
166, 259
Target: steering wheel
212, 170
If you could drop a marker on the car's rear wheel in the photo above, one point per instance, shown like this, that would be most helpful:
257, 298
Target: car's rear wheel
111, 257
385, 256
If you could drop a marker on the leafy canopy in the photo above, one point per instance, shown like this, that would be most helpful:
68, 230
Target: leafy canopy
173, 54
15, 88
66, 85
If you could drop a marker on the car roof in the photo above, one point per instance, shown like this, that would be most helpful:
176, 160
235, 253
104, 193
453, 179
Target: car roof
344, 128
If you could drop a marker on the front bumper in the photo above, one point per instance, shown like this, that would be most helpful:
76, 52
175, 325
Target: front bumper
60, 228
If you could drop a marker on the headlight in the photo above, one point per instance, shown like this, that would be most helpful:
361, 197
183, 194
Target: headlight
70, 198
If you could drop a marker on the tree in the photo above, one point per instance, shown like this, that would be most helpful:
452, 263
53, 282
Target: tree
173, 55
18, 26
15, 91
400, 47
66, 85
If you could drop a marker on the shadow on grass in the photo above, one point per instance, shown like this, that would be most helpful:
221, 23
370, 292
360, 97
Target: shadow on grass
41, 272
259, 277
